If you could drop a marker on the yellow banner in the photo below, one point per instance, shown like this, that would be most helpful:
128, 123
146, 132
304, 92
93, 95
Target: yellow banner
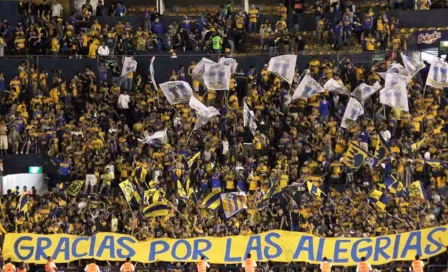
278, 246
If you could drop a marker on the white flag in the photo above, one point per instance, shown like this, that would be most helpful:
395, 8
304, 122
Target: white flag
229, 62
157, 139
335, 87
217, 76
176, 91
203, 117
412, 65
364, 91
249, 118
396, 68
197, 105
204, 112
307, 88
438, 74
199, 70
129, 65
151, 71
283, 66
353, 110
395, 93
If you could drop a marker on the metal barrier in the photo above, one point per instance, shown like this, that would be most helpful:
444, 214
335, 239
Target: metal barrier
437, 267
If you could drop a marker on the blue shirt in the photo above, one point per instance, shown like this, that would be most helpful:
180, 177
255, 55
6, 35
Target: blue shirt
324, 108
157, 28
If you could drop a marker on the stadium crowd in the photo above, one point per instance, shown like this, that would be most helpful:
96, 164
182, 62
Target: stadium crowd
91, 125
91, 128
42, 31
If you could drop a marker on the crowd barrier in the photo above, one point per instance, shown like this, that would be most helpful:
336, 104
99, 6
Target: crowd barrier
307, 22
163, 64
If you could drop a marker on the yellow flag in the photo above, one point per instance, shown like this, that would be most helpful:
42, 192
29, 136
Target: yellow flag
128, 190
75, 187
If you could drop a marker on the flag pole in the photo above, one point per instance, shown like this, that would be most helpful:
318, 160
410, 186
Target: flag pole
424, 91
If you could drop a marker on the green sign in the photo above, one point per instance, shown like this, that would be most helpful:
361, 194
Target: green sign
35, 169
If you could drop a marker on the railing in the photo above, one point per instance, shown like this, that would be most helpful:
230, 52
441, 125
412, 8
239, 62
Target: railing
277, 267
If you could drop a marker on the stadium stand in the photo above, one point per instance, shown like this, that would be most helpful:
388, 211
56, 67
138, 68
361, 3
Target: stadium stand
221, 137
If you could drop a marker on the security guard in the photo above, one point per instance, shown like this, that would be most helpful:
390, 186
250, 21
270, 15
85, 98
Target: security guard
417, 264
202, 265
9, 267
364, 266
92, 267
50, 266
249, 264
127, 266
325, 266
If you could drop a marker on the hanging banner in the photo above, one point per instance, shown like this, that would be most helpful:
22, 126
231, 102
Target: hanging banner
430, 38
278, 246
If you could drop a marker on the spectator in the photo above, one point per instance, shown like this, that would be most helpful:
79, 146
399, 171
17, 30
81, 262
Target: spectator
120, 10
103, 50
99, 9
253, 19
56, 10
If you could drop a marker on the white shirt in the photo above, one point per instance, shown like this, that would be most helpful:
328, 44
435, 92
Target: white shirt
123, 101
133, 268
97, 268
52, 265
225, 147
368, 265
56, 10
103, 50
386, 135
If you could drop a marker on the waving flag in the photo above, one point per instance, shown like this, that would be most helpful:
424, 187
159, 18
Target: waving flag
75, 187
204, 112
176, 91
181, 190
199, 70
249, 118
354, 156
393, 185
158, 139
438, 74
151, 71
232, 63
313, 189
437, 164
378, 198
416, 189
353, 110
128, 190
233, 203
382, 150
307, 88
336, 87
411, 65
364, 91
217, 76
23, 207
395, 93
129, 66
283, 66
156, 209
417, 145
212, 200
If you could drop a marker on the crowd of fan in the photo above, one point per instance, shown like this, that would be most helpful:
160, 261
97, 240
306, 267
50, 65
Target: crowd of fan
90, 127
42, 30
